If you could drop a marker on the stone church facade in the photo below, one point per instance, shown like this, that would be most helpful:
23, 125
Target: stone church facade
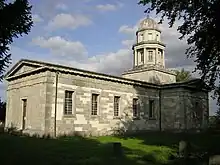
47, 98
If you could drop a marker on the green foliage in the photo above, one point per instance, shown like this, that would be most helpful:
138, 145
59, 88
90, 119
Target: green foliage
200, 25
182, 75
15, 21
150, 148
2, 111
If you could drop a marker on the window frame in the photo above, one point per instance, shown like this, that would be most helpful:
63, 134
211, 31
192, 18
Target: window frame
97, 105
151, 109
142, 56
135, 114
150, 55
67, 112
118, 106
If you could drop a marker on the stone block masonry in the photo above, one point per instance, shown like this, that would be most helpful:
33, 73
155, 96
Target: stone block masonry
159, 107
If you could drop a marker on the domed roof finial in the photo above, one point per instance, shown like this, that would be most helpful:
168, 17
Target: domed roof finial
148, 16
148, 23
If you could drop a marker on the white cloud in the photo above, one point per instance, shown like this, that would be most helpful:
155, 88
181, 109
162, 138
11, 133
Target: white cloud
128, 43
113, 63
68, 21
125, 29
109, 7
61, 6
61, 47
36, 18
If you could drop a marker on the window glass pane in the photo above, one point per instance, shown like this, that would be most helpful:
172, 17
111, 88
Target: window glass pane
116, 105
135, 107
68, 103
94, 104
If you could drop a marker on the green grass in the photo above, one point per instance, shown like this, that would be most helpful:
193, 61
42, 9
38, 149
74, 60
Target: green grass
151, 148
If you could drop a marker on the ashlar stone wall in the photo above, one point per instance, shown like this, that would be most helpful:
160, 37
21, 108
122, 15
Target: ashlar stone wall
176, 104
33, 89
178, 109
104, 122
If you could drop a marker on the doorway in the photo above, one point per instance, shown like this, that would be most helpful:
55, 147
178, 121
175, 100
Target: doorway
24, 109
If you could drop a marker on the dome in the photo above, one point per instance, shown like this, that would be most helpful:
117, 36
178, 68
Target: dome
148, 23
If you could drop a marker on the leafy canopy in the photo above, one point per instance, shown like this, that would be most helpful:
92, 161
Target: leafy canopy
201, 26
15, 21
182, 75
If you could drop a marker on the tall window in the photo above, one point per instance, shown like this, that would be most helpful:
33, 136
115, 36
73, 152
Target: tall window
68, 107
150, 55
24, 104
94, 104
142, 56
116, 105
135, 107
160, 53
151, 109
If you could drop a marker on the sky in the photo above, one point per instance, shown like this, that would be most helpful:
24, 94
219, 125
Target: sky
94, 35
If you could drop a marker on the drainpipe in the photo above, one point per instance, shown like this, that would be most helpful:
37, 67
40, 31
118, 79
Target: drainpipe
160, 122
55, 108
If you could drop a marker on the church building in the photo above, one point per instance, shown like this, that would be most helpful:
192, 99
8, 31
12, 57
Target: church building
46, 98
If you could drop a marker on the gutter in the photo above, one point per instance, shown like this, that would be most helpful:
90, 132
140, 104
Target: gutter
55, 108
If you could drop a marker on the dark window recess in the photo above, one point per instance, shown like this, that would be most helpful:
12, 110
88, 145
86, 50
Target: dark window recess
94, 104
116, 105
68, 105
151, 109
135, 107
24, 109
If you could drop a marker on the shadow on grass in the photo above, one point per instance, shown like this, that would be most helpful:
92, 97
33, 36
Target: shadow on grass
67, 150
204, 140
154, 148
201, 145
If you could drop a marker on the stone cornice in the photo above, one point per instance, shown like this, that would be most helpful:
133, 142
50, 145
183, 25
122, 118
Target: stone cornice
148, 42
140, 69
143, 29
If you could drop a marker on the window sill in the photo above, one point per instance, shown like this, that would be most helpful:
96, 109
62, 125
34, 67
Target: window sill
68, 116
94, 116
116, 117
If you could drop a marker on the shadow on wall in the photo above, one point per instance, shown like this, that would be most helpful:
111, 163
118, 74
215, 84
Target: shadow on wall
184, 111
155, 79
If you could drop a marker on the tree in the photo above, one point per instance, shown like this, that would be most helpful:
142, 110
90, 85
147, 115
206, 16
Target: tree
16, 20
2, 110
200, 25
182, 75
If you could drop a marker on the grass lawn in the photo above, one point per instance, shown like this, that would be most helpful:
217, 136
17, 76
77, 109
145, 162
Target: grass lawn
151, 148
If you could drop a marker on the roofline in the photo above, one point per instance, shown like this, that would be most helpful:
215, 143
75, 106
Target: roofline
149, 42
147, 69
58, 68
143, 29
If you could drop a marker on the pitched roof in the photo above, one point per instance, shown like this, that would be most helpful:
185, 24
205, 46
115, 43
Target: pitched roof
62, 68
